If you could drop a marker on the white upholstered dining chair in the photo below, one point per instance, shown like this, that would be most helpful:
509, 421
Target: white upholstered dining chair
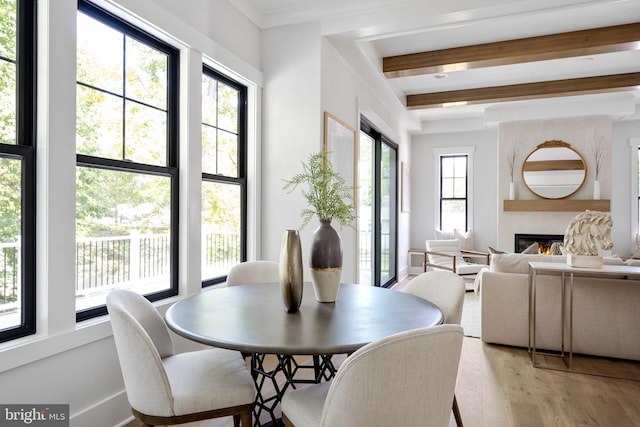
446, 290
253, 272
406, 379
165, 388
443, 288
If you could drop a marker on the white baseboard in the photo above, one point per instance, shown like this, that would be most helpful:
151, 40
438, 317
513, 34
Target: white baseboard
112, 411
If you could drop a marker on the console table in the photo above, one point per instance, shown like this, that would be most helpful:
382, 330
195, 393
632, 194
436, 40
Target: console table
563, 271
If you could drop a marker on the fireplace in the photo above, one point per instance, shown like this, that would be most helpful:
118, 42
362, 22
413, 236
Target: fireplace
523, 241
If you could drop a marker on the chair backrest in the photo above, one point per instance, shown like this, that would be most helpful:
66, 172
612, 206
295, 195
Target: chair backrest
449, 247
407, 379
253, 272
443, 288
142, 340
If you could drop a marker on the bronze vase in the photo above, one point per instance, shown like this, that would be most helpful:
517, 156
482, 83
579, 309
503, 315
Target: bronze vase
291, 273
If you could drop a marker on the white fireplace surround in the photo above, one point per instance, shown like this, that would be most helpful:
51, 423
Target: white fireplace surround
579, 132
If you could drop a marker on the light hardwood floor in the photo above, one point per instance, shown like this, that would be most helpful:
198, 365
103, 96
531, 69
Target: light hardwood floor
498, 387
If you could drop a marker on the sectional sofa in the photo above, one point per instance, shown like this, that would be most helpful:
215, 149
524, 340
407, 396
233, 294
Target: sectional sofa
606, 312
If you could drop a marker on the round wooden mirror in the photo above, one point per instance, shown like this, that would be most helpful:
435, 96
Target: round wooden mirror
554, 170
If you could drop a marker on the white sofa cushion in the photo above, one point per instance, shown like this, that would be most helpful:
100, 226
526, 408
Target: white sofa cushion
464, 237
519, 263
449, 247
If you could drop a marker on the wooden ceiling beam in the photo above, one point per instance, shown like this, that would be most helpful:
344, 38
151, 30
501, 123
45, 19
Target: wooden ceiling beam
547, 89
563, 45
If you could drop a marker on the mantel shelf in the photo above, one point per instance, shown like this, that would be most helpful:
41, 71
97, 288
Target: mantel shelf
556, 205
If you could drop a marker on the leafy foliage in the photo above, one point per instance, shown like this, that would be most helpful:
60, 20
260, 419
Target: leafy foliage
327, 193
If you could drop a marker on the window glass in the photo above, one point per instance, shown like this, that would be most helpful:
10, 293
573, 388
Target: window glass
99, 123
146, 74
8, 89
122, 233
126, 148
17, 169
121, 96
145, 133
221, 228
223, 175
100, 55
220, 106
10, 248
453, 192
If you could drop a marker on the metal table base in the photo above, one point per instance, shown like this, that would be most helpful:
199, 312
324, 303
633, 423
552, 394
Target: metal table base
288, 370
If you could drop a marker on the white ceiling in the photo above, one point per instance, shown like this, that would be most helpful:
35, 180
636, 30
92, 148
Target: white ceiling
374, 29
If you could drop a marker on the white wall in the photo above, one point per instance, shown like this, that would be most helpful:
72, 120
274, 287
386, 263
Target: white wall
292, 129
304, 76
220, 21
71, 363
424, 184
623, 187
490, 185
576, 131
347, 95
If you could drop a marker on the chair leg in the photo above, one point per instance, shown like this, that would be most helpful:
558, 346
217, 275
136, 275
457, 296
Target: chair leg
245, 419
456, 412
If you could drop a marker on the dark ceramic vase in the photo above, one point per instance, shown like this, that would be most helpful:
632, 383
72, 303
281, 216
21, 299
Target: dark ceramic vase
291, 273
326, 262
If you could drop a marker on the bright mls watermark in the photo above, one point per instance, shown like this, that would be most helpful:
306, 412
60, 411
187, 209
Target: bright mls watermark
34, 415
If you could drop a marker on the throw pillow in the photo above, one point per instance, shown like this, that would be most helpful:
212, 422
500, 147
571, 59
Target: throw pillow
444, 235
466, 239
532, 249
495, 251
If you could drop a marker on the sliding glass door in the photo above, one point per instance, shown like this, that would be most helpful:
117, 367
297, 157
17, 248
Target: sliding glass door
377, 196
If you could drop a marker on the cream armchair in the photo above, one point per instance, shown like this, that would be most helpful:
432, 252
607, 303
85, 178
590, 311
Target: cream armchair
447, 255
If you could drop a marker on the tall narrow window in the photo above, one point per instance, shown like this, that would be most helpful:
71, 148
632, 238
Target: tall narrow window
453, 192
17, 168
127, 176
223, 175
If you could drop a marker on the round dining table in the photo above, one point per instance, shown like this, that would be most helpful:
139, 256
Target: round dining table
252, 319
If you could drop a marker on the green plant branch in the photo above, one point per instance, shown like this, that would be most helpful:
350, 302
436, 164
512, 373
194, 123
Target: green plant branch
327, 193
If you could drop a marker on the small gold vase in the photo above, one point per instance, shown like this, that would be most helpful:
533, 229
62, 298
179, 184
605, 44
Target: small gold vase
291, 280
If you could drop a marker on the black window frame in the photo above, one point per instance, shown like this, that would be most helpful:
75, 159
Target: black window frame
380, 139
25, 150
466, 189
170, 170
241, 179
